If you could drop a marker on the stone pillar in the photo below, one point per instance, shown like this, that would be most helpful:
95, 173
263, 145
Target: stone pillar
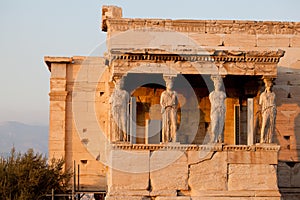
250, 122
57, 125
152, 133
132, 119
237, 124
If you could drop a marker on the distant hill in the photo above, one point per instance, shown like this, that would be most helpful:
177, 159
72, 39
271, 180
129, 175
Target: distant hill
22, 137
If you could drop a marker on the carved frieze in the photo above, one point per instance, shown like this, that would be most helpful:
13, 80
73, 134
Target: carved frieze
222, 62
194, 147
203, 26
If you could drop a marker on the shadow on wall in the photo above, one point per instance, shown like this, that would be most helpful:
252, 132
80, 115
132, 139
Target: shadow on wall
287, 90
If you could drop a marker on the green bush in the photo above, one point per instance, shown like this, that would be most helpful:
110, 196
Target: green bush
30, 176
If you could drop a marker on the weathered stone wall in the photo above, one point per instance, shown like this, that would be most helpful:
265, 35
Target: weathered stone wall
189, 172
79, 116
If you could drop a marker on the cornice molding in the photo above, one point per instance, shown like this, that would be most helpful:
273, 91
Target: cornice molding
203, 26
216, 56
58, 95
194, 147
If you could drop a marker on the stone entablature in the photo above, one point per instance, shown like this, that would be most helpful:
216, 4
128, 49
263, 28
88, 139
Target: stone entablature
206, 26
221, 62
112, 21
215, 56
56, 59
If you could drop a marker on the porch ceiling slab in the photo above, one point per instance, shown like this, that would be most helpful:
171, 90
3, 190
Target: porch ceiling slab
222, 62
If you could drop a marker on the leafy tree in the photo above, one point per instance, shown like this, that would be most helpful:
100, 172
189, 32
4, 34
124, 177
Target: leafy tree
30, 176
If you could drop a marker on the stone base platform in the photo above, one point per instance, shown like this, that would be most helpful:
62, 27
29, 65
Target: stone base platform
193, 172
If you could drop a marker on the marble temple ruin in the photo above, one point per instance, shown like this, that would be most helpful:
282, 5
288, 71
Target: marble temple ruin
181, 109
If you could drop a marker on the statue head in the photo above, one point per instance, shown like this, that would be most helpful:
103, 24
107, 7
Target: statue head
217, 79
268, 84
169, 81
119, 83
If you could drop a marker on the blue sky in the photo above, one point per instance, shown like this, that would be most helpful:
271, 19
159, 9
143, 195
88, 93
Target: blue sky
31, 29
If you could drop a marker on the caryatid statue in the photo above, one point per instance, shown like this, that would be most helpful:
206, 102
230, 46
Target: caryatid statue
119, 104
217, 112
169, 103
268, 112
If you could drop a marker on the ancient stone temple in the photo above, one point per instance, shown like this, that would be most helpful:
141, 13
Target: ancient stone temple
181, 109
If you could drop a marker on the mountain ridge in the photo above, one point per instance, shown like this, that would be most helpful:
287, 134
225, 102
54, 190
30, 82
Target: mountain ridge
23, 137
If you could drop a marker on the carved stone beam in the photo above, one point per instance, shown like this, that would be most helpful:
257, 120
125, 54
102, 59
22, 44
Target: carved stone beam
169, 77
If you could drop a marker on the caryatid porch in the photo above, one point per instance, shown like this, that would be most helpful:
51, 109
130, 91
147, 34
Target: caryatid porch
143, 73
144, 168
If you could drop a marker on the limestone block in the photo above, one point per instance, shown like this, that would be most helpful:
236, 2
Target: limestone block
92, 181
125, 197
252, 157
273, 41
72, 71
58, 70
57, 116
174, 198
57, 125
295, 41
57, 105
294, 90
252, 177
209, 174
78, 106
147, 39
169, 193
198, 156
244, 40
203, 39
95, 72
236, 198
128, 171
56, 145
221, 198
295, 176
83, 96
128, 192
58, 135
78, 73
57, 84
168, 170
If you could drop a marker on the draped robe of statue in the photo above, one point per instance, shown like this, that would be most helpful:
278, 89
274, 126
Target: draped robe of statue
218, 110
119, 104
268, 112
169, 103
